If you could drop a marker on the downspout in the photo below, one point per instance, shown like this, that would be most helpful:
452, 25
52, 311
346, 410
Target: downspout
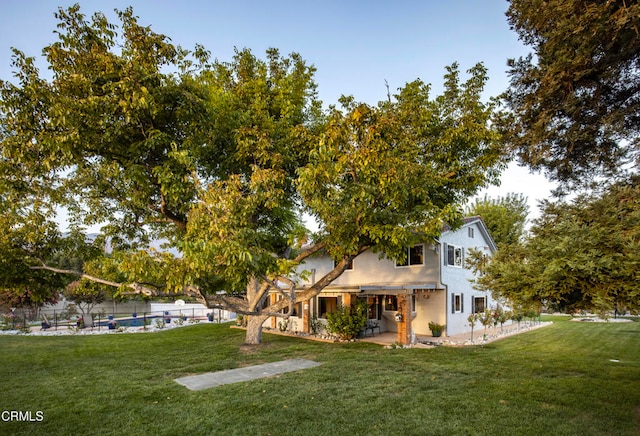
446, 287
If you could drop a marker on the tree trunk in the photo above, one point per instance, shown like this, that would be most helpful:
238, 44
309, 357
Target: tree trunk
254, 329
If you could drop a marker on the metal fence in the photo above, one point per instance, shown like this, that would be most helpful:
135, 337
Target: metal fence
102, 321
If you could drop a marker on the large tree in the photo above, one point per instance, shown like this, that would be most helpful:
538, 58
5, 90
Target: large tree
505, 217
221, 158
575, 103
581, 254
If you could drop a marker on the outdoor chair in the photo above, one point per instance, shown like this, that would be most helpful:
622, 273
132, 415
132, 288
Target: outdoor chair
372, 325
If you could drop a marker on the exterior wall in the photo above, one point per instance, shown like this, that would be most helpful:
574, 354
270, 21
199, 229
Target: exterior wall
458, 280
370, 270
432, 285
430, 306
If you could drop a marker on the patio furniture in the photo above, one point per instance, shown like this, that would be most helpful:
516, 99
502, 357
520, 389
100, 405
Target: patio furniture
372, 325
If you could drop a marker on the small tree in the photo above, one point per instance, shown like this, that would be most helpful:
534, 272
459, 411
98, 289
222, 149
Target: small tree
347, 321
500, 317
473, 318
517, 316
86, 295
486, 319
27, 302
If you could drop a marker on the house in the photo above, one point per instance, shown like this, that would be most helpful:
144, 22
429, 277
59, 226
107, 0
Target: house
432, 285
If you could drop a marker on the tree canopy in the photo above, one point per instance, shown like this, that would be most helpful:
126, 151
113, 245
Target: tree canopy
574, 103
581, 255
220, 159
505, 217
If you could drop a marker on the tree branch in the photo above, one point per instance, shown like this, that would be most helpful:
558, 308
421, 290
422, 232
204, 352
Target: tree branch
137, 287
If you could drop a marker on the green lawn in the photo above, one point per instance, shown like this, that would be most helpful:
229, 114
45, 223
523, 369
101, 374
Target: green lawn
556, 380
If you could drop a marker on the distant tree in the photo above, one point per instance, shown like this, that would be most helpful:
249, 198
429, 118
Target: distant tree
505, 217
86, 295
574, 104
25, 239
580, 255
26, 303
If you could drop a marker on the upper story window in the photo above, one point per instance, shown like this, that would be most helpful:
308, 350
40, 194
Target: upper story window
349, 265
471, 232
453, 255
415, 256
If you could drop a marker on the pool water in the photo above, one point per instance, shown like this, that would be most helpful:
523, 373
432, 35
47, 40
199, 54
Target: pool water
131, 322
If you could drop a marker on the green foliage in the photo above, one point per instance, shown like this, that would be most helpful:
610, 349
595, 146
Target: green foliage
505, 217
27, 302
346, 322
220, 160
384, 176
581, 255
314, 325
436, 329
574, 105
283, 325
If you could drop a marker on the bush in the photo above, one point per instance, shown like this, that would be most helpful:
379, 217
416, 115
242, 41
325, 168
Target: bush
346, 322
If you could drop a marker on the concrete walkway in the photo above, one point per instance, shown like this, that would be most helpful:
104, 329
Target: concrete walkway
213, 379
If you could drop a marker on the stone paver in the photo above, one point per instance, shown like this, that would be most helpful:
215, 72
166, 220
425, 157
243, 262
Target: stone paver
213, 379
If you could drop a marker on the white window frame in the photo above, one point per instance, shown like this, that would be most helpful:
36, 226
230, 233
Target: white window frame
318, 308
458, 255
474, 306
457, 303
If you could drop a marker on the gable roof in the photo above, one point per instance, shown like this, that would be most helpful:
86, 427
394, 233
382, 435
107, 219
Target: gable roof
476, 219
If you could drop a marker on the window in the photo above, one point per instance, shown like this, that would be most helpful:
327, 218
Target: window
390, 303
479, 304
453, 255
327, 304
471, 232
297, 310
457, 303
349, 265
413, 303
372, 305
415, 256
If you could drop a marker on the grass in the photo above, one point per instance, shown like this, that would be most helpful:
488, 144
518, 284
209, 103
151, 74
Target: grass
555, 380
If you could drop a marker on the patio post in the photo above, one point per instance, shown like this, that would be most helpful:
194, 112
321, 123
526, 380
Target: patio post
404, 324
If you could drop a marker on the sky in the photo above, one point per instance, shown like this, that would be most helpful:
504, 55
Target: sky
355, 45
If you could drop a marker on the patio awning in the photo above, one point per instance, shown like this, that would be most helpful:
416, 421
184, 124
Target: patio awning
397, 289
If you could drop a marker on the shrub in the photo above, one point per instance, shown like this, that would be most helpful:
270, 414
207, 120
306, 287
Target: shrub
346, 322
436, 329
314, 325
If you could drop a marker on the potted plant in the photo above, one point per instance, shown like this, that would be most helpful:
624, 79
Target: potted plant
436, 329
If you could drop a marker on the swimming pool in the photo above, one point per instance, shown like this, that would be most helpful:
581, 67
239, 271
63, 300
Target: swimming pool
131, 322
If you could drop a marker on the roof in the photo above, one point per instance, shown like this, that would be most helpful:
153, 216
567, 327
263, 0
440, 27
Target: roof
476, 219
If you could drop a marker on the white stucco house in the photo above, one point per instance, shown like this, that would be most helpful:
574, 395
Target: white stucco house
432, 285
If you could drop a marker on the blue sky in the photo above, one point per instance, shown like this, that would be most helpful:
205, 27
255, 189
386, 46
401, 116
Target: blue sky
355, 45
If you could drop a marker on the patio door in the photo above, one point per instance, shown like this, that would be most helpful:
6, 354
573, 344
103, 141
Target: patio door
374, 303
